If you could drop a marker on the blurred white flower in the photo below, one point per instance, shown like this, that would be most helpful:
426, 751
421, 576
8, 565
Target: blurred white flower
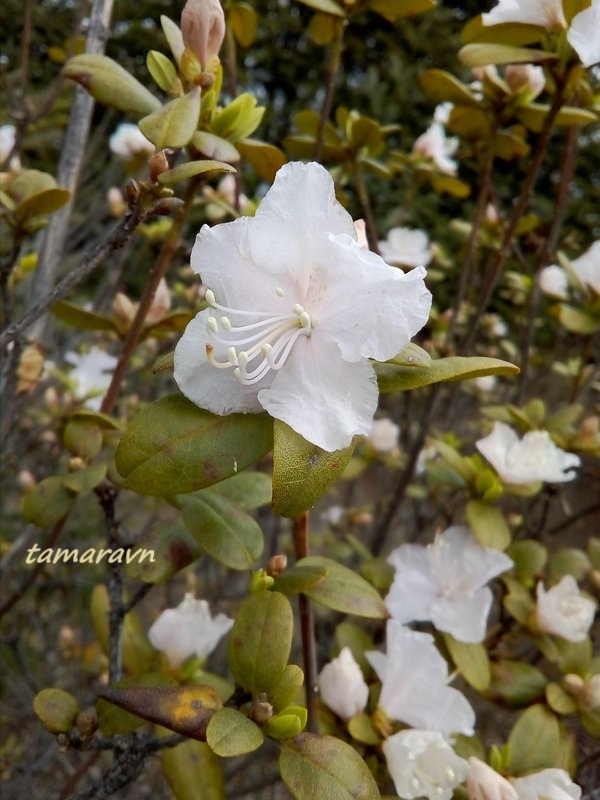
486, 383
564, 611
414, 678
128, 141
296, 310
203, 29
525, 77
583, 30
442, 113
343, 686
188, 630
491, 214
587, 266
434, 144
91, 374
484, 783
554, 281
406, 247
549, 784
116, 202
590, 694
427, 454
423, 764
7, 141
334, 515
445, 582
161, 303
383, 436
535, 457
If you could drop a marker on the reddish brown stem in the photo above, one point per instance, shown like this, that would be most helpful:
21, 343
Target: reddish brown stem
307, 628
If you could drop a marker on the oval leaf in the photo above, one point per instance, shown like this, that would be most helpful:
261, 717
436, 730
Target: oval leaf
226, 533
260, 641
322, 766
193, 772
231, 733
174, 124
535, 741
443, 87
173, 447
247, 489
109, 83
302, 472
472, 661
173, 547
184, 171
344, 590
480, 55
488, 525
265, 158
393, 378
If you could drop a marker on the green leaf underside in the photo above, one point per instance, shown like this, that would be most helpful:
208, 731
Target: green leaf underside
324, 767
395, 378
343, 590
231, 733
173, 447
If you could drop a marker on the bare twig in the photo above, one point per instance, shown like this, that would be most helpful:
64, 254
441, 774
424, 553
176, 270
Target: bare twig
365, 204
114, 584
307, 628
332, 70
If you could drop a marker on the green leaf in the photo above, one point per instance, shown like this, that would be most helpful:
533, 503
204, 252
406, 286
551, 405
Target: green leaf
265, 158
302, 472
173, 447
534, 115
347, 634
285, 691
443, 87
471, 660
535, 741
529, 558
193, 772
244, 22
361, 729
517, 683
325, 6
577, 320
86, 479
137, 652
173, 36
162, 70
449, 184
246, 489
325, 767
81, 318
82, 438
260, 641
110, 84
215, 147
514, 33
394, 378
226, 533
173, 547
239, 119
182, 172
115, 721
47, 502
480, 55
183, 709
299, 578
395, 9
488, 525
174, 124
231, 733
46, 202
343, 590
56, 709
560, 701
568, 561
289, 723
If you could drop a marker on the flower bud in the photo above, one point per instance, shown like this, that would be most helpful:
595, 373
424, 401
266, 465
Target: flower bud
86, 722
116, 202
160, 305
343, 686
203, 29
573, 683
525, 77
157, 164
590, 696
277, 565
484, 783
564, 611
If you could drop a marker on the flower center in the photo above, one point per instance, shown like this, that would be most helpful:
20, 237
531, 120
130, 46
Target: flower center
255, 348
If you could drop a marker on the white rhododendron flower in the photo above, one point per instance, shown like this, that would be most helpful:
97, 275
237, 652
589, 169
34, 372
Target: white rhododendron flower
535, 457
128, 141
188, 630
549, 784
583, 30
8, 135
587, 266
406, 247
484, 783
423, 764
525, 77
435, 145
445, 582
384, 435
296, 309
414, 678
91, 374
485, 383
360, 226
554, 281
343, 686
564, 611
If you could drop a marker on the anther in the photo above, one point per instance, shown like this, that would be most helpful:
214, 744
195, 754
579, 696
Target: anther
298, 309
226, 323
243, 359
209, 296
212, 325
305, 319
279, 291
232, 355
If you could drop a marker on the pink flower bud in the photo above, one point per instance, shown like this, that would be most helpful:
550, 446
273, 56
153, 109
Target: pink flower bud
203, 28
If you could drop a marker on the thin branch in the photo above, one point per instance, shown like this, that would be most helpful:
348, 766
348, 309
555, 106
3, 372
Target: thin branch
365, 204
307, 628
335, 59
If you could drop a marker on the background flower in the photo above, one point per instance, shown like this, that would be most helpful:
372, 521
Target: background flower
445, 583
343, 686
484, 783
406, 247
549, 784
435, 145
188, 630
535, 457
564, 611
128, 141
91, 374
383, 435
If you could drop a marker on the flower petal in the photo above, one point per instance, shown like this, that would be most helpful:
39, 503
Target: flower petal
323, 398
583, 35
216, 390
371, 310
463, 617
546, 13
414, 589
302, 209
496, 445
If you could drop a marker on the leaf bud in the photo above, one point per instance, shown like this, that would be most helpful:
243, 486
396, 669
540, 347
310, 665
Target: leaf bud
157, 164
277, 564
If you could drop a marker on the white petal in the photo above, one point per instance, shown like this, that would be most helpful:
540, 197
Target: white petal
587, 266
367, 307
343, 686
413, 589
216, 390
546, 13
295, 217
322, 397
464, 617
496, 445
549, 784
584, 34
554, 281
564, 611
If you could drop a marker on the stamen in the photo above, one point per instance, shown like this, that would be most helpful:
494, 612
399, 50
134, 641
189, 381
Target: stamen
212, 325
213, 361
279, 291
226, 324
305, 320
232, 355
